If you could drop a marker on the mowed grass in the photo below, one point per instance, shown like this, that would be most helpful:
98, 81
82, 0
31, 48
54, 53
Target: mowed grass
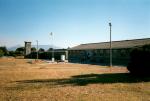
23, 81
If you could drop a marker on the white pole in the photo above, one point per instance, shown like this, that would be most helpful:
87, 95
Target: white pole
53, 59
37, 49
110, 47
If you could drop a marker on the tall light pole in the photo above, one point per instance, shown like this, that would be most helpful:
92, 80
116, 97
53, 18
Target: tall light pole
53, 59
37, 55
110, 47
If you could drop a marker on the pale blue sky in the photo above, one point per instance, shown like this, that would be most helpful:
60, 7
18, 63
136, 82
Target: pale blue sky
73, 22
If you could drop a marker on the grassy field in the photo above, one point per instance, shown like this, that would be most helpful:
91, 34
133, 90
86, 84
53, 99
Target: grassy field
21, 80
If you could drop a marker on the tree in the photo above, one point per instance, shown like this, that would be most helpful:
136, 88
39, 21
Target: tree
33, 49
139, 62
4, 49
20, 51
1, 53
12, 53
50, 49
41, 50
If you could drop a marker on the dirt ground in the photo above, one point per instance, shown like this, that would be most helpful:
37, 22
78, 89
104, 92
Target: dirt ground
28, 80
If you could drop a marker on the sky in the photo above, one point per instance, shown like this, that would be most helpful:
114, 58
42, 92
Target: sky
72, 22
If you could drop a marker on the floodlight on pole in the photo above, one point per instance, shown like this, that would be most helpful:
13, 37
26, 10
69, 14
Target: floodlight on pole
110, 46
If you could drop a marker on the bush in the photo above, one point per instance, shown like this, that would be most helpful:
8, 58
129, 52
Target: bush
12, 53
140, 61
1, 53
20, 51
4, 51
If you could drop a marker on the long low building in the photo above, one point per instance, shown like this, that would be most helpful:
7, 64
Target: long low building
99, 52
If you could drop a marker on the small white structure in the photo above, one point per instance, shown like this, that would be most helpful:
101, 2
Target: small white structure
62, 57
53, 59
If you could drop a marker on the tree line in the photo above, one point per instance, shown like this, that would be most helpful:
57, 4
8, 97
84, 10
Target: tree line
18, 52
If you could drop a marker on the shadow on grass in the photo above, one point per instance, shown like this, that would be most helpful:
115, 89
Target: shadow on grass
82, 80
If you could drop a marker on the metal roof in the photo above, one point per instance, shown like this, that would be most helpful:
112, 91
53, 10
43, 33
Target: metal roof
115, 44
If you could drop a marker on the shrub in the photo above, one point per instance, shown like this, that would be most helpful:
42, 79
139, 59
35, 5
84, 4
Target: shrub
12, 53
1, 53
140, 61
4, 51
20, 51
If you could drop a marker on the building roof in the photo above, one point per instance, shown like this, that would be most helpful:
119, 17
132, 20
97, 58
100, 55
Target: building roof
115, 44
58, 50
